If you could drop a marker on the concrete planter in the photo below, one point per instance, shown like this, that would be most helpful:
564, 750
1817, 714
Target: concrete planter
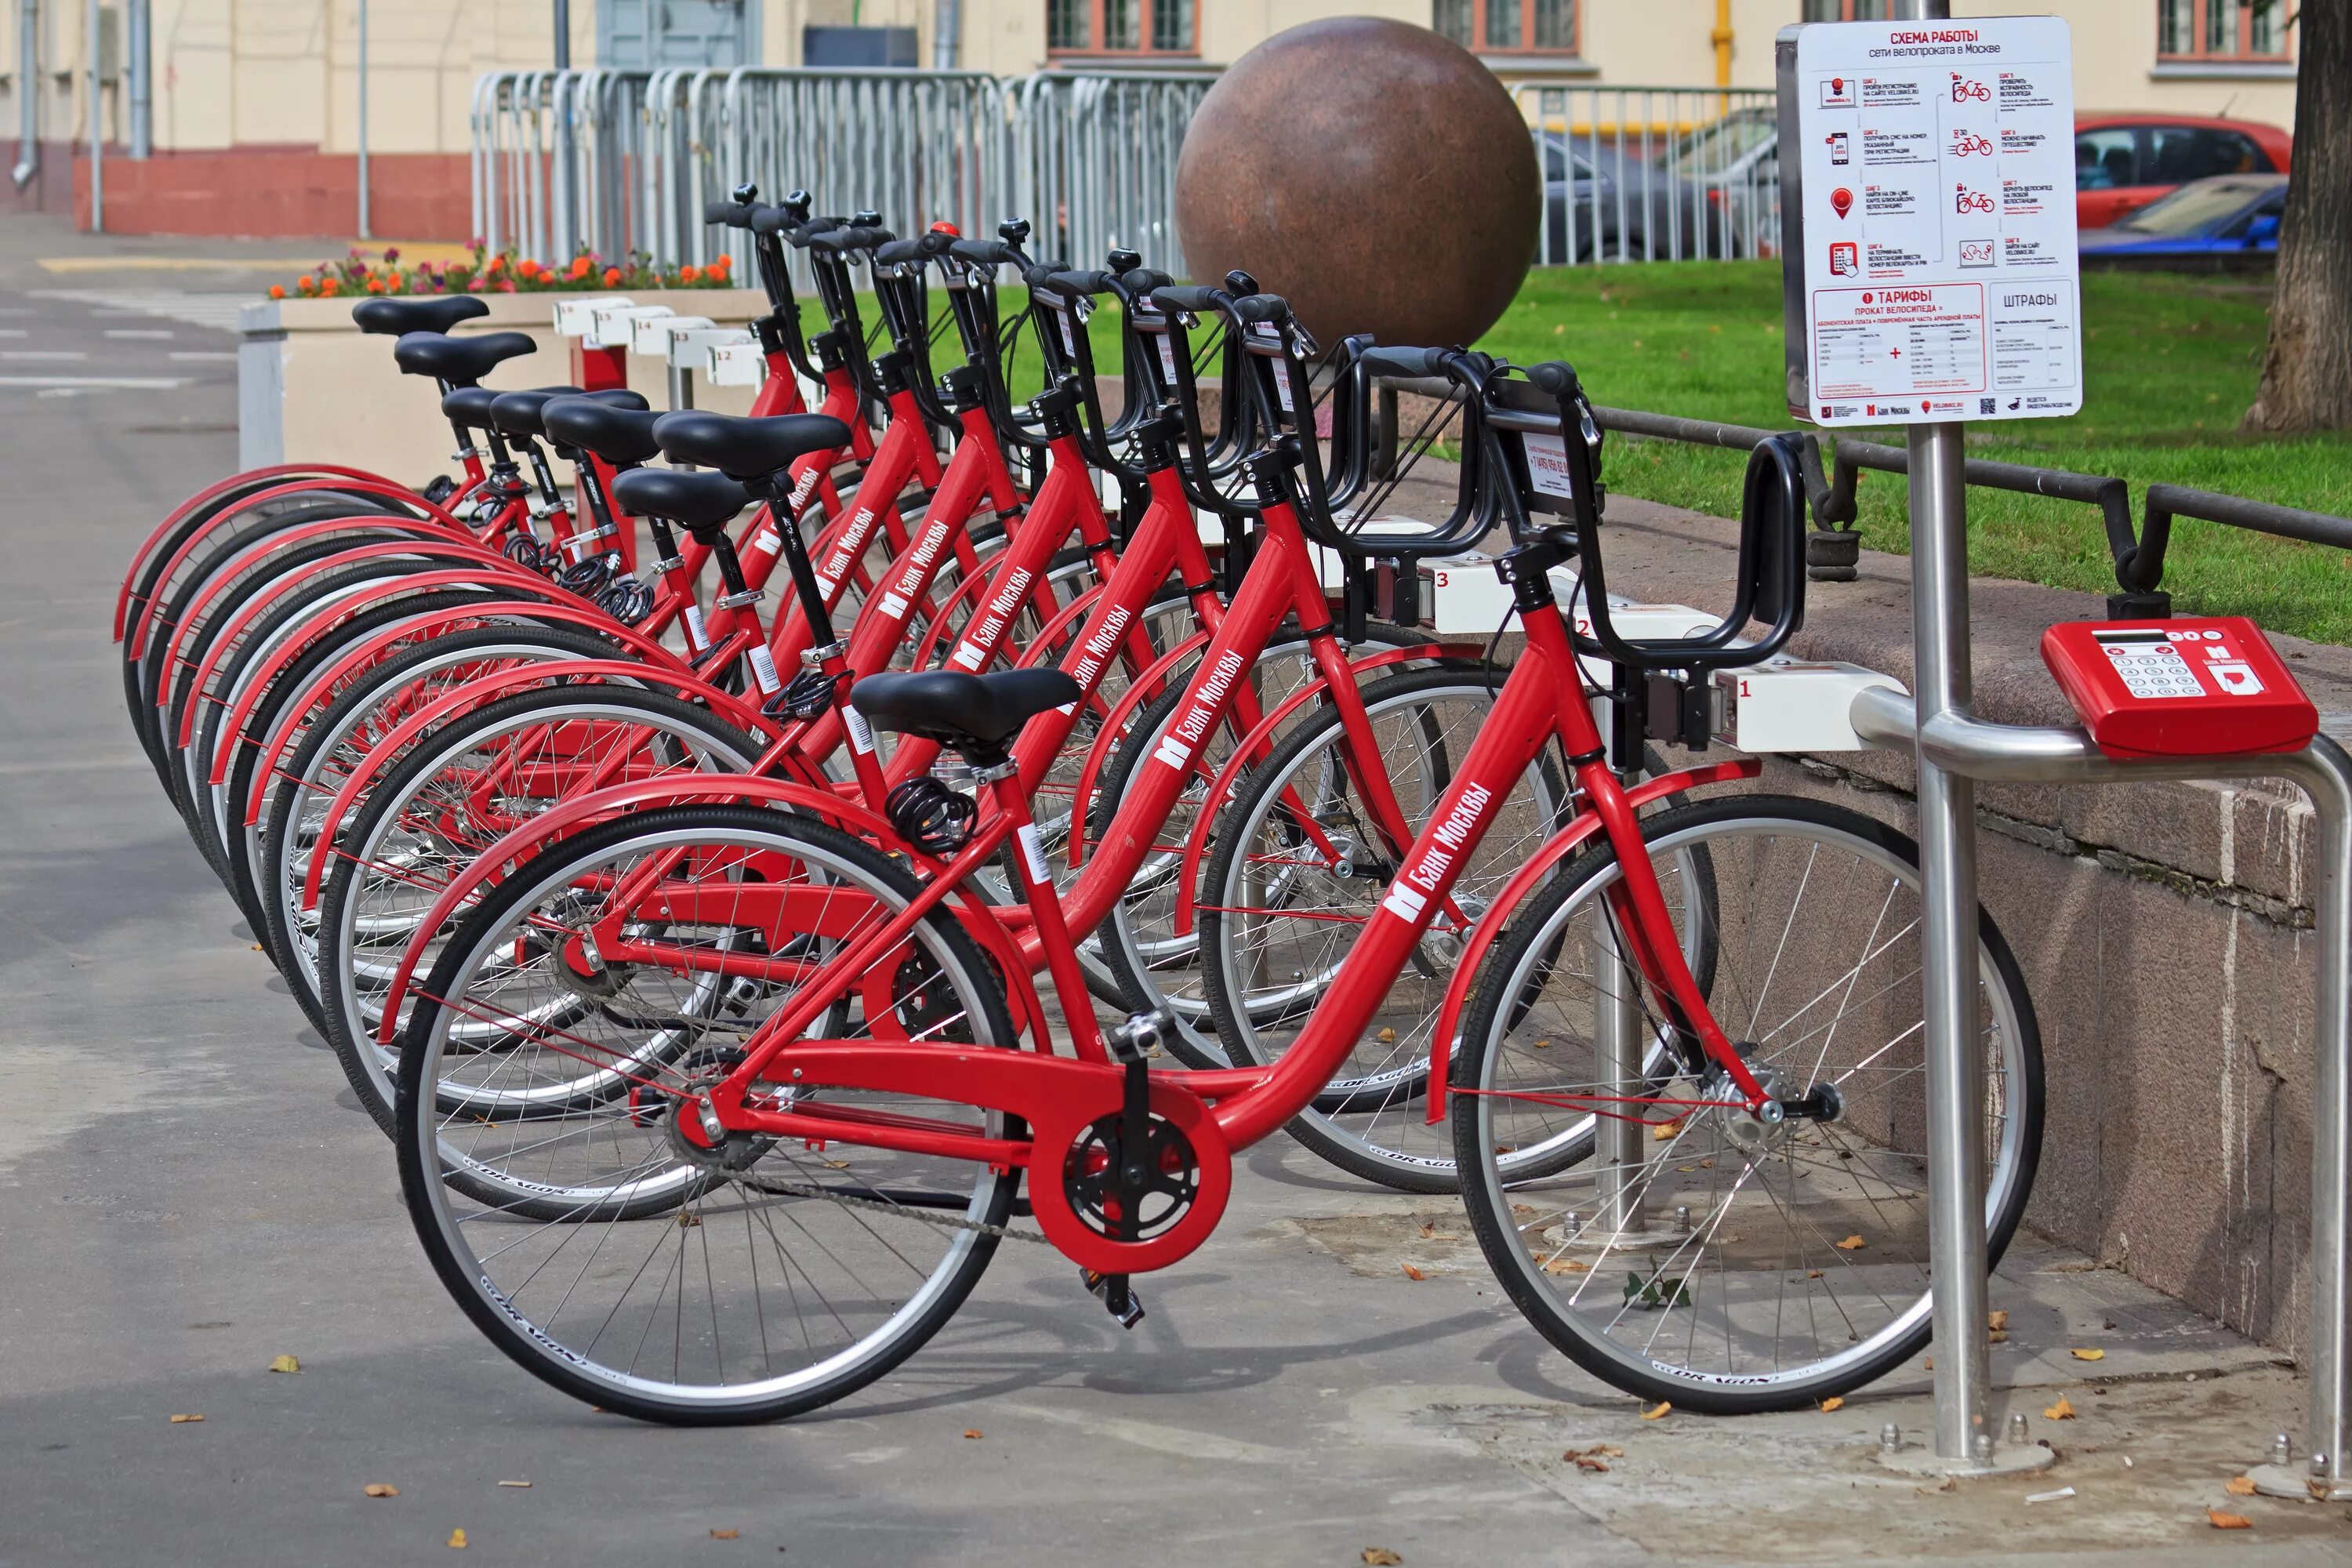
314, 388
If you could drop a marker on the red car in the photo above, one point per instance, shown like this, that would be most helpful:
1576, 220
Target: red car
2123, 162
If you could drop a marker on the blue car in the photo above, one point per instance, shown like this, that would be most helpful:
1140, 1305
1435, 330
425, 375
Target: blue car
2219, 223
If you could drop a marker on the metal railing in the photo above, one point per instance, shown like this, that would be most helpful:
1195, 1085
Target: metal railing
1833, 547
622, 160
1654, 173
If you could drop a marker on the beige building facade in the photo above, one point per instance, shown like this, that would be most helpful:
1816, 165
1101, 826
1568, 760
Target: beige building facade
282, 76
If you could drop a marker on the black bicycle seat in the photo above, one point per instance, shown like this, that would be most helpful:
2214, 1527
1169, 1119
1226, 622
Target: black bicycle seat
460, 361
471, 405
432, 313
748, 449
522, 413
698, 502
964, 711
617, 432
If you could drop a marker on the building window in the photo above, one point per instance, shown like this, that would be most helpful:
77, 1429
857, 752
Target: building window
1507, 26
2221, 29
1846, 10
1120, 27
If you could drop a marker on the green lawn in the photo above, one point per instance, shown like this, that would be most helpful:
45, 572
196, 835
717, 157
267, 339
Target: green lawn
2173, 363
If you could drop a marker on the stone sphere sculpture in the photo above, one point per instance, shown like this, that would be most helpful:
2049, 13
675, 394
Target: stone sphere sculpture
1371, 173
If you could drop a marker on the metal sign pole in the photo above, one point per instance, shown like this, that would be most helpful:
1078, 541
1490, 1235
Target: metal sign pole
96, 122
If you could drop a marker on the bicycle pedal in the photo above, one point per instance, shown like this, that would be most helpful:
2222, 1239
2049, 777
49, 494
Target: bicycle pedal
1117, 1294
1140, 1037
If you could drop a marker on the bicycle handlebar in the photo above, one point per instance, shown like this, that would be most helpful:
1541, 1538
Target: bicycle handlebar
1405, 364
1192, 300
730, 214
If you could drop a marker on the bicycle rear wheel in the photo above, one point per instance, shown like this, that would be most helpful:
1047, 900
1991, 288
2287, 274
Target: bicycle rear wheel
759, 1283
1689, 1251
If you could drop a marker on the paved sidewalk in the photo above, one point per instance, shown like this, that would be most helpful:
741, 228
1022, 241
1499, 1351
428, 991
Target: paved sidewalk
187, 1191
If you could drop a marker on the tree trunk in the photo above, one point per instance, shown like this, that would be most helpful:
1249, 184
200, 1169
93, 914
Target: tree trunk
2307, 372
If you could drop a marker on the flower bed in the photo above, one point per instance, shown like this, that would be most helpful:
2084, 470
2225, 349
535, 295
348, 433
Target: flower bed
503, 272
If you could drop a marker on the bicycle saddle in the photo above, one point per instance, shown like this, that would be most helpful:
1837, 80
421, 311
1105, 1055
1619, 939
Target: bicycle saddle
461, 361
432, 313
615, 432
471, 405
699, 503
520, 413
967, 713
747, 448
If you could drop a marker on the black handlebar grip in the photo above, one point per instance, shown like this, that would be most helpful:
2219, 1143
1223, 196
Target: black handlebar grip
1262, 308
1079, 283
1404, 364
899, 251
848, 240
983, 252
1191, 298
732, 215
1143, 279
935, 241
1555, 376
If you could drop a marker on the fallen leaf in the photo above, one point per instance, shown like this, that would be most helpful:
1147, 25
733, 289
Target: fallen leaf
687, 1220
1928, 1365
457, 1539
1544, 1044
1566, 1265
973, 1432
1852, 1244
1812, 1273
286, 1363
725, 1534
1591, 1466
1684, 1170
514, 1483
2089, 1355
378, 1488
2229, 1521
1665, 1131
1413, 1273
1834, 1401
2239, 1486
1388, 1036
1663, 1405
836, 1164
2061, 1411
1996, 1320
2108, 1325
184, 1420
1381, 1557
1998, 1336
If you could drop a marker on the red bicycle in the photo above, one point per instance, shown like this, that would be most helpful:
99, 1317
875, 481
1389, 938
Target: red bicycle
806, 1117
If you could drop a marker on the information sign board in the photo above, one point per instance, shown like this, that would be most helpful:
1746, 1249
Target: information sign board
1929, 235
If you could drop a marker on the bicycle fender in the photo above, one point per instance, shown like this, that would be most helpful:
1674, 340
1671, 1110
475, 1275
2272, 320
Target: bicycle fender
330, 614
261, 479
1555, 850
429, 528
476, 693
529, 838
431, 623
1196, 842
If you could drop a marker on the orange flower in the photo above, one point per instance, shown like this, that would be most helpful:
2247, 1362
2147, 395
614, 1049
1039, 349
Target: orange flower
525, 268
332, 286
375, 285
392, 281
612, 276
722, 264
690, 273
306, 282
277, 291
496, 265
580, 265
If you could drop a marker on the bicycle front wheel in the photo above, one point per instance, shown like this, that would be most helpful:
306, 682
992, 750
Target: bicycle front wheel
1690, 1251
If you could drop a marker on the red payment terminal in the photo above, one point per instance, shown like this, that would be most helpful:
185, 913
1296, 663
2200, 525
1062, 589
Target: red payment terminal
2179, 689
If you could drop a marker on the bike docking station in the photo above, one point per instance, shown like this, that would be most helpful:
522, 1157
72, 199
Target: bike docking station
1928, 277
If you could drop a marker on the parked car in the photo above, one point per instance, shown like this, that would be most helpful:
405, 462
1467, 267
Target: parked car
1603, 198
2124, 162
2229, 221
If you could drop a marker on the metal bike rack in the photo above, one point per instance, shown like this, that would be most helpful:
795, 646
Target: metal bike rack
1953, 749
